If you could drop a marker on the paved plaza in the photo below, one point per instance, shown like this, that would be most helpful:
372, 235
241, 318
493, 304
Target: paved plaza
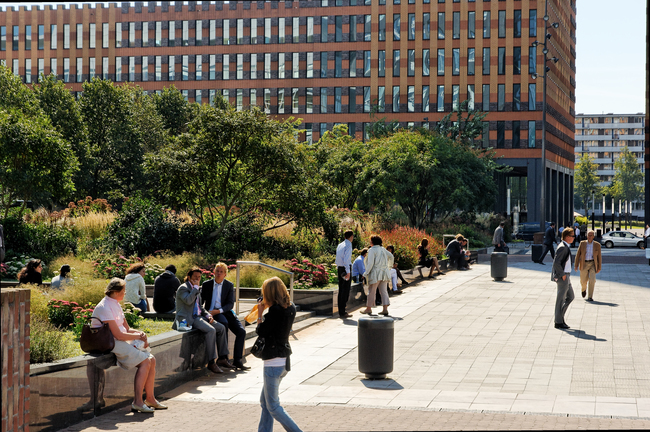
470, 353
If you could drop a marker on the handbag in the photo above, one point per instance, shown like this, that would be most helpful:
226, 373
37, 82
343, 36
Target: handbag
98, 340
258, 347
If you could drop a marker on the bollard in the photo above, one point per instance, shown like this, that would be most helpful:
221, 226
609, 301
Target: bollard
499, 265
376, 340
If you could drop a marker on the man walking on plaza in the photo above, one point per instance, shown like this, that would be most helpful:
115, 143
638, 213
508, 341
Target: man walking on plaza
646, 234
560, 274
344, 270
590, 261
498, 241
549, 239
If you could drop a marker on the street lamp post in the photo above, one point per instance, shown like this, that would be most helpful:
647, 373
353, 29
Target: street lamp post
604, 222
547, 37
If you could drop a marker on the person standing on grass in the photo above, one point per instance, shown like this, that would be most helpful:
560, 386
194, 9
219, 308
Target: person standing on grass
560, 274
590, 262
344, 270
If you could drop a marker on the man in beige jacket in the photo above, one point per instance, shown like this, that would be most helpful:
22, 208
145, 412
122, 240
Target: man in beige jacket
590, 261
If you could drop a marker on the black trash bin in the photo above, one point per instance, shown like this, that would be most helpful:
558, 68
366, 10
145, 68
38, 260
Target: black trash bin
536, 252
499, 265
376, 343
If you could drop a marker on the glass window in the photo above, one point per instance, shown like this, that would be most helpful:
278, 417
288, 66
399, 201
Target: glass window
281, 66
253, 29
338, 28
267, 30
532, 60
171, 33
532, 22
28, 70
366, 63
66, 69
502, 61
501, 134
517, 24
280, 101
226, 32
145, 68
158, 33
186, 32
501, 97
410, 98
3, 38
80, 36
16, 67
145, 34
41, 37
131, 34
80, 68
295, 65
323, 101
198, 98
396, 63
366, 99
281, 30
338, 64
310, 65
28, 35
381, 63
441, 98
396, 27
455, 97
267, 65
411, 63
352, 64
310, 29
367, 27
486, 61
240, 66
131, 69
54, 37
337, 99
441, 25
381, 99
411, 29
441, 61
171, 65
455, 61
456, 25
158, 68
516, 60
295, 32
41, 68
352, 20
486, 97
470, 61
531, 133
502, 24
382, 27
532, 97
16, 39
516, 97
211, 95
486, 24
395, 98
425, 98
198, 33
309, 100
118, 68
323, 29
323, 64
225, 67
426, 26
516, 132
253, 66
425, 62
352, 100
471, 25
486, 134
470, 96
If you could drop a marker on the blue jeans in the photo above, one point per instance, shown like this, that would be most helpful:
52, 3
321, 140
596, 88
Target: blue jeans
142, 305
270, 401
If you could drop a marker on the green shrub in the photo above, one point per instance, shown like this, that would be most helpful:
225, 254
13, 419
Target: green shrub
59, 313
12, 266
47, 344
308, 275
41, 240
131, 315
405, 240
82, 317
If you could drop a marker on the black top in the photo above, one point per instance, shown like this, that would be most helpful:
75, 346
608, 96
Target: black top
453, 248
164, 292
549, 236
424, 253
275, 330
33, 278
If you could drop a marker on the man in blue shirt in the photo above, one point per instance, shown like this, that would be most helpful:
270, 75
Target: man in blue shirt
358, 268
343, 263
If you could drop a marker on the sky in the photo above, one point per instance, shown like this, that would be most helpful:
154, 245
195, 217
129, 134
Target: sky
610, 56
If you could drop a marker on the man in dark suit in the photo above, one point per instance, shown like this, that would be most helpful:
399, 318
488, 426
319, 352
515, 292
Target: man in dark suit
549, 239
218, 297
560, 274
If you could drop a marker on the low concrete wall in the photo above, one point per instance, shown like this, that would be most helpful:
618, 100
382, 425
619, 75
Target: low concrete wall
325, 301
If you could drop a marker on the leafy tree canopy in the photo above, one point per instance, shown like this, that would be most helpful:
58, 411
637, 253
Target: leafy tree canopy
586, 179
628, 180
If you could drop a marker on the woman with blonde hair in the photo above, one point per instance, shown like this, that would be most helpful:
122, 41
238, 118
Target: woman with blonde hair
130, 346
275, 327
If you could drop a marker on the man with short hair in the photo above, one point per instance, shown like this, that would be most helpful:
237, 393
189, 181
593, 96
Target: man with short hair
164, 290
498, 240
343, 264
549, 239
560, 274
590, 261
358, 267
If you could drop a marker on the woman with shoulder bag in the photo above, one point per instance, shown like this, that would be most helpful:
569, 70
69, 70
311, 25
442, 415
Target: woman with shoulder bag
126, 340
275, 328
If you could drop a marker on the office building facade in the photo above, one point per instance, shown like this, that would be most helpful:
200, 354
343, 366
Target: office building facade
336, 61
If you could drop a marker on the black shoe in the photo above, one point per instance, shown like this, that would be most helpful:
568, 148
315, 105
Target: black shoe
541, 262
590, 299
404, 283
214, 368
440, 273
562, 326
225, 364
397, 292
344, 316
240, 366
584, 294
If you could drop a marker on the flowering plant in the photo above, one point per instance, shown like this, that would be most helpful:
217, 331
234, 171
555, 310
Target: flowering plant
59, 313
81, 317
88, 205
307, 274
109, 267
131, 315
405, 240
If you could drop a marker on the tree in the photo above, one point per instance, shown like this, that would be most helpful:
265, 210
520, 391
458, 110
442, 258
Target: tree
174, 110
586, 179
232, 164
628, 179
464, 130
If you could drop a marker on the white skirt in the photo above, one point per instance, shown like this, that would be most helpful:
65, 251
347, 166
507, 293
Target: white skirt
129, 356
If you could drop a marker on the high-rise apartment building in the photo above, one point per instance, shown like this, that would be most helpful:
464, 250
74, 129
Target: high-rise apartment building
603, 137
338, 61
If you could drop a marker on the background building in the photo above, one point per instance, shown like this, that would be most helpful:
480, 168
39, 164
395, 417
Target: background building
603, 136
336, 61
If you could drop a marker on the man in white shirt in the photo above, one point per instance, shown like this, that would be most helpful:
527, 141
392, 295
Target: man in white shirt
344, 270
646, 234
560, 274
589, 260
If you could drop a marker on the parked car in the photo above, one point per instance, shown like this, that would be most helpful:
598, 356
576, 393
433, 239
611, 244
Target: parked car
527, 229
621, 238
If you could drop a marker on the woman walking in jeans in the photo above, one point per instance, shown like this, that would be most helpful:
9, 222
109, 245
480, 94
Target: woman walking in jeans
275, 328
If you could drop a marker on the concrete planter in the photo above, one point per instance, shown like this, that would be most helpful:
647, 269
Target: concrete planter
325, 301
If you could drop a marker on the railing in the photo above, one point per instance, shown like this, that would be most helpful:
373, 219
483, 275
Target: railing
240, 264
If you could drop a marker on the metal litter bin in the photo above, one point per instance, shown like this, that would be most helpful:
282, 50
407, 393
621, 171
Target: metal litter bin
536, 252
376, 346
499, 265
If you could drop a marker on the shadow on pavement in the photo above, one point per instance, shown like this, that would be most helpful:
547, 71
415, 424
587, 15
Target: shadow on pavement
599, 303
581, 334
382, 384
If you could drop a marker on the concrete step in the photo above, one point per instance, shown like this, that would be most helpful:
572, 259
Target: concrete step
306, 321
300, 316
